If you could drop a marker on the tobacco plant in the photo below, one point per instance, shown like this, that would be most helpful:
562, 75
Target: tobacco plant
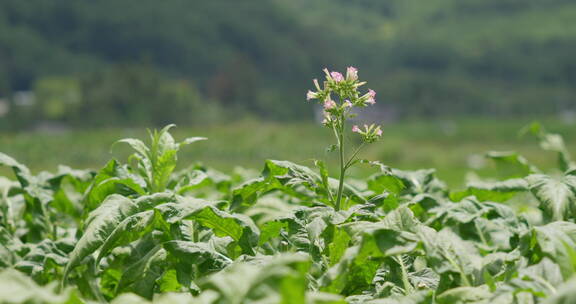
336, 113
141, 231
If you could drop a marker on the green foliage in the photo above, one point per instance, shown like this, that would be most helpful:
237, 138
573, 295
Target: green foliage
145, 232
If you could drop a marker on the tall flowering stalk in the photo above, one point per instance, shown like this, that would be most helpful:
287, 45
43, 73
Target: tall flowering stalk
347, 96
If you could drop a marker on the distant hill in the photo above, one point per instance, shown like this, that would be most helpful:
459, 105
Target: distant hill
431, 58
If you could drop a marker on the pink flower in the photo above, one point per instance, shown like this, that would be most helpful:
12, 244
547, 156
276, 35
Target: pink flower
371, 97
355, 129
337, 76
347, 104
378, 132
329, 104
352, 73
311, 95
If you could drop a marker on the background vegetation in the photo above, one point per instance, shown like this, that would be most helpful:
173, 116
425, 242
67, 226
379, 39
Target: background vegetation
125, 62
453, 147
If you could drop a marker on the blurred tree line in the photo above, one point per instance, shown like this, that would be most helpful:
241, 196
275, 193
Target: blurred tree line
141, 62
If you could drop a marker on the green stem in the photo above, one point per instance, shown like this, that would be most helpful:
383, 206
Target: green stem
342, 166
405, 280
195, 232
481, 234
463, 275
92, 274
349, 162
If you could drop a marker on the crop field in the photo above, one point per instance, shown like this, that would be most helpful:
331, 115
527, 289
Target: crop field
137, 229
336, 222
413, 144
226, 152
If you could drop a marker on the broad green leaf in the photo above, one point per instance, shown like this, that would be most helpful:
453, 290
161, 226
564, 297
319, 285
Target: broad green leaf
299, 182
192, 180
15, 287
420, 297
201, 255
160, 217
511, 164
340, 242
157, 161
128, 230
419, 181
557, 196
354, 272
191, 140
315, 297
555, 240
101, 223
112, 179
424, 278
275, 279
269, 208
270, 230
136, 144
22, 172
463, 295
129, 298
43, 261
385, 182
391, 242
9, 247
246, 194
566, 293
540, 280
395, 234
238, 226
492, 225
141, 276
500, 191
447, 252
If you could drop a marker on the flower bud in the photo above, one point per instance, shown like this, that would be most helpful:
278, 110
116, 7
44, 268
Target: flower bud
317, 85
352, 73
311, 95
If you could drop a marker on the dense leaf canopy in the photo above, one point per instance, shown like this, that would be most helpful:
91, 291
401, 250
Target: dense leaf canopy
142, 232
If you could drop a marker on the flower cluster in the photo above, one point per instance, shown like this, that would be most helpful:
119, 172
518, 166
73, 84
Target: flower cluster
345, 87
370, 133
345, 90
